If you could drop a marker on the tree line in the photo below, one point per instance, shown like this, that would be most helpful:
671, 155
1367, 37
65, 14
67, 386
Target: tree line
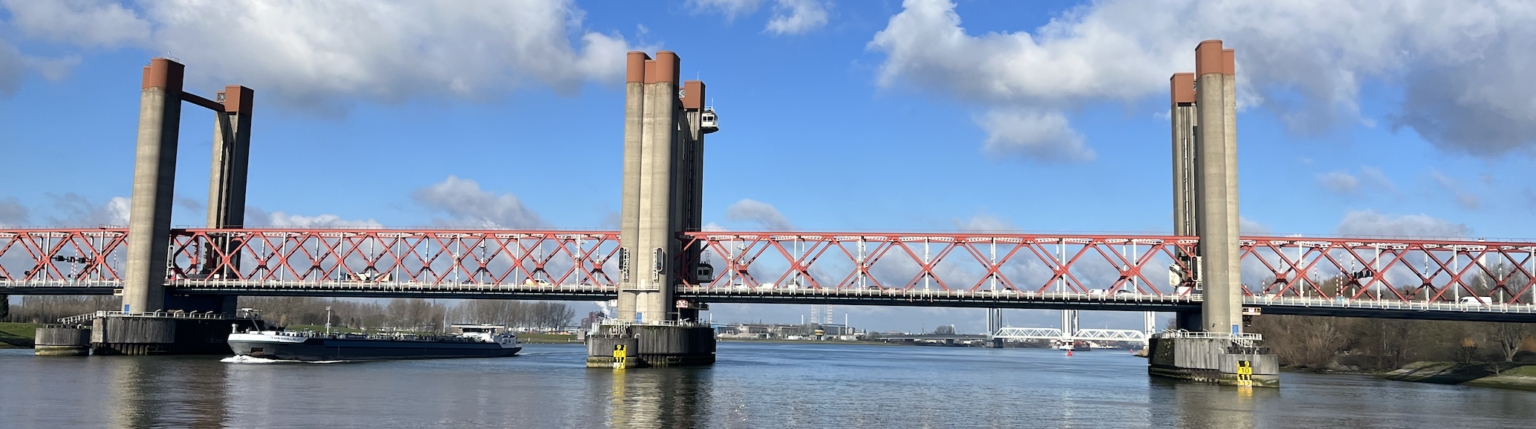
1386, 344
413, 314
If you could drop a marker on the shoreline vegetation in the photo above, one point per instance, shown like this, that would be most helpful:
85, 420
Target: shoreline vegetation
18, 335
1485, 354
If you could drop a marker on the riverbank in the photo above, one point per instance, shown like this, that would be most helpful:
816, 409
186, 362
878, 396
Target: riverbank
536, 338
18, 335
1502, 375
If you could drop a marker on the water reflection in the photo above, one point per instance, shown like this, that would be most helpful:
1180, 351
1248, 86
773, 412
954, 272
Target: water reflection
752, 385
165, 391
1204, 405
654, 397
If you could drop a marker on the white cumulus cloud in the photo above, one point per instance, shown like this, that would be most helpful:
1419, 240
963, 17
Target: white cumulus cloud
985, 222
1035, 134
1338, 181
797, 17
1369, 222
13, 214
87, 23
255, 217
468, 205
1247, 226
1465, 199
325, 55
763, 214
75, 210
790, 17
1462, 63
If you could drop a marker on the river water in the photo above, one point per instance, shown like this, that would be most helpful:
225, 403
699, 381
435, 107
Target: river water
753, 385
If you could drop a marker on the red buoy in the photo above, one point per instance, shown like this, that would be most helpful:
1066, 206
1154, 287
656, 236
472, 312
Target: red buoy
1069, 353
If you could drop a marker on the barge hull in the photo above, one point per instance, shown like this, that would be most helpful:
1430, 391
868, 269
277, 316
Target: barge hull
316, 349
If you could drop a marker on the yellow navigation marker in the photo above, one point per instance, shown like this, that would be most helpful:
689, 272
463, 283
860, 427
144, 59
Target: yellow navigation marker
1244, 373
620, 357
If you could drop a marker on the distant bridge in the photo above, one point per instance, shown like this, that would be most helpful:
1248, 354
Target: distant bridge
1012, 333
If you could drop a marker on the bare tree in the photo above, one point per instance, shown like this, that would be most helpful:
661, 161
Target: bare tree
1508, 337
50, 308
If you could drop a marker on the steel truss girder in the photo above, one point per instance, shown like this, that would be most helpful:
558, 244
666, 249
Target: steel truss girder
1345, 270
1016, 333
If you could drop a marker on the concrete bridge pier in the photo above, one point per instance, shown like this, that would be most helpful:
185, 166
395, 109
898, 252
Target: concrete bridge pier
1210, 345
662, 197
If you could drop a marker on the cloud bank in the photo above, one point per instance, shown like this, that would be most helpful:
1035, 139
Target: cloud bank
467, 205
312, 54
1461, 63
765, 215
790, 17
1371, 223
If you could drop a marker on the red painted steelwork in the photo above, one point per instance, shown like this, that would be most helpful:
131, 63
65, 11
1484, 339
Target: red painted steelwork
1342, 269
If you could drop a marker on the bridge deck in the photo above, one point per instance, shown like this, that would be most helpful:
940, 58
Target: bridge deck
1337, 306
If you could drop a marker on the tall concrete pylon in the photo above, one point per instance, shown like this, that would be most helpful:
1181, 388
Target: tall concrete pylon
1204, 117
154, 185
226, 187
231, 158
154, 176
1182, 116
663, 166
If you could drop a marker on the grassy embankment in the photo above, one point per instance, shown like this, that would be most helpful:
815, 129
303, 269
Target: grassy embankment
1504, 375
17, 335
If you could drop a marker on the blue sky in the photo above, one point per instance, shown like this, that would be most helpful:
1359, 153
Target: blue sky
1400, 118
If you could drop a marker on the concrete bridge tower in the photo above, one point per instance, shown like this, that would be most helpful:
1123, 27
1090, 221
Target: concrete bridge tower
154, 181
663, 180
662, 197
1203, 111
154, 178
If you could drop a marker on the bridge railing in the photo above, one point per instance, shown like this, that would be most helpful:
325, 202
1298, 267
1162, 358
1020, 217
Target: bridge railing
1292, 270
1473, 272
98, 256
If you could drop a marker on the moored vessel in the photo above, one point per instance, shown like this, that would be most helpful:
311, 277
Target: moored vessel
1070, 345
469, 341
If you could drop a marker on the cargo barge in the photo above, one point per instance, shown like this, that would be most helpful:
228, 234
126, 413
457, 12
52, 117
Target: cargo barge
471, 341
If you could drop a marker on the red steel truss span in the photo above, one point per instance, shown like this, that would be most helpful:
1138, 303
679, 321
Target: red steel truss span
1458, 273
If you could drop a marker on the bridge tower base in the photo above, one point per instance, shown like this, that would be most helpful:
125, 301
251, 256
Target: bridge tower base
1222, 360
59, 340
650, 346
174, 333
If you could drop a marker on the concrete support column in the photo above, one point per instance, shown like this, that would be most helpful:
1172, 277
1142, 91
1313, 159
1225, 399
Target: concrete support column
154, 176
652, 156
659, 219
231, 159
1217, 217
629, 220
226, 192
1234, 220
1182, 115
690, 180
